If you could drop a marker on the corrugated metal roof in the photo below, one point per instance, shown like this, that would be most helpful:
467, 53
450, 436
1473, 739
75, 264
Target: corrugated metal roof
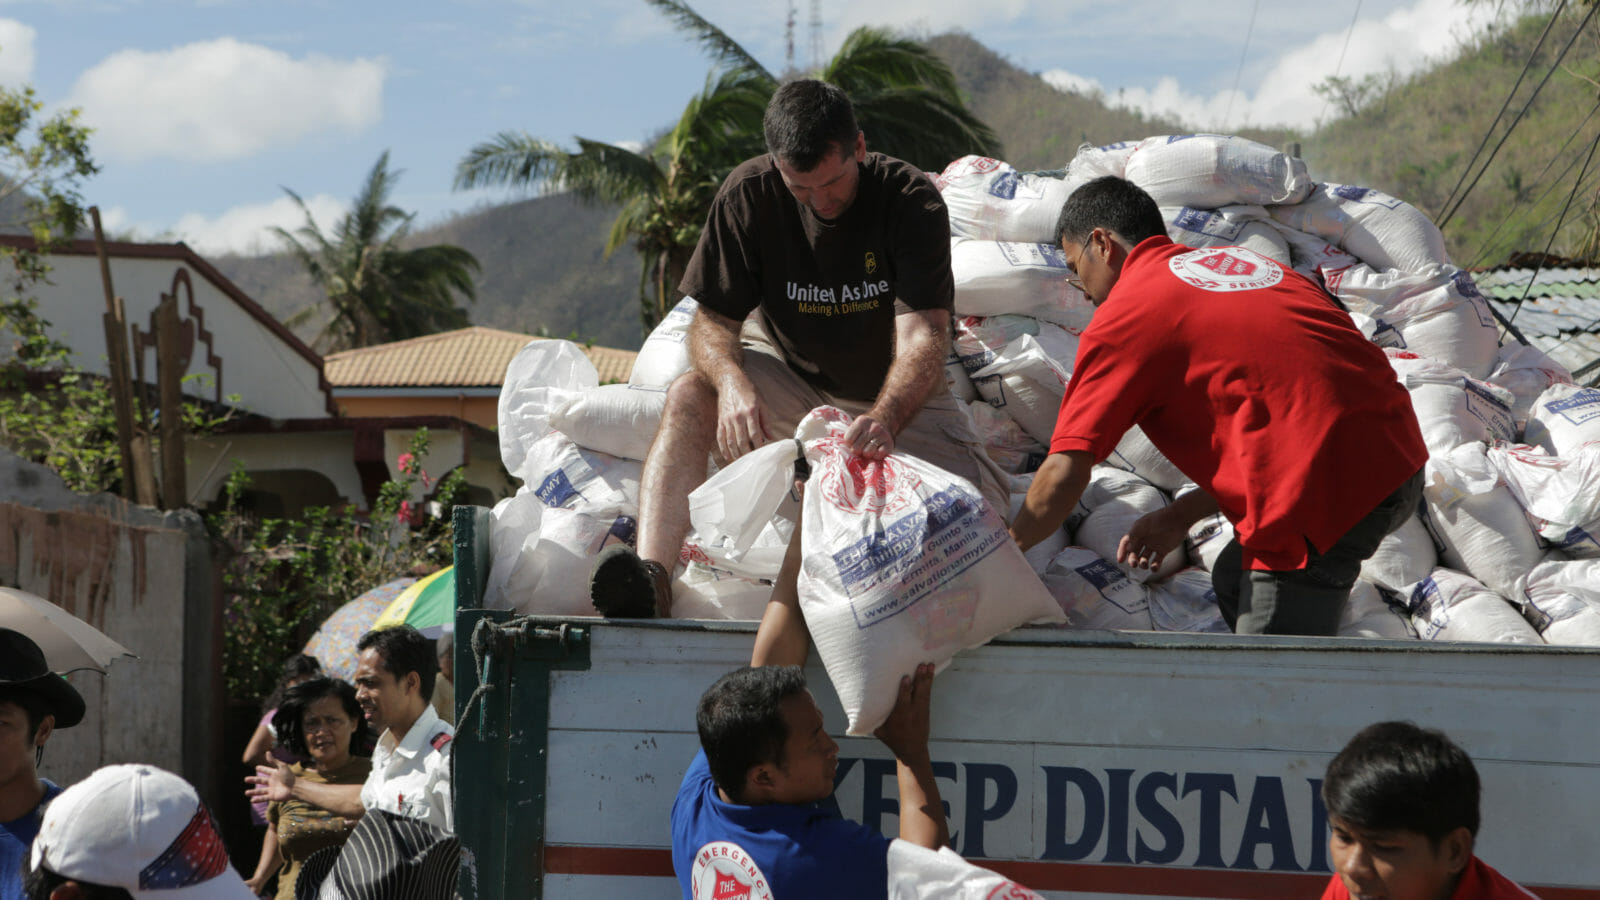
468, 357
1557, 308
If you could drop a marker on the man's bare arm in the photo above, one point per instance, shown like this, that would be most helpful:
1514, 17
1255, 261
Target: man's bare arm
278, 783
905, 733
921, 343
715, 351
1056, 488
782, 639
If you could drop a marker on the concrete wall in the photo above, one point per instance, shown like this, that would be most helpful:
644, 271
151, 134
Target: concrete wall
145, 579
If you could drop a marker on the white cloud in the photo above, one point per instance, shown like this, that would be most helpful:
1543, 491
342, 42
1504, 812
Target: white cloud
243, 229
16, 52
1404, 41
222, 99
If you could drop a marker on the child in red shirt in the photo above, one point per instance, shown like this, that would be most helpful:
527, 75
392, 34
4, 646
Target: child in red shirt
1402, 818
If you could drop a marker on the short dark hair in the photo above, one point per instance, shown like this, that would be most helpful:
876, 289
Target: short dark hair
741, 724
34, 706
39, 882
287, 721
1109, 202
808, 119
404, 650
296, 668
1397, 776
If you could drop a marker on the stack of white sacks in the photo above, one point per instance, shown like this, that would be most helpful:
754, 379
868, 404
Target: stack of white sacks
1505, 546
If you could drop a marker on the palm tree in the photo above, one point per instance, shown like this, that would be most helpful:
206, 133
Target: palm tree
377, 291
906, 101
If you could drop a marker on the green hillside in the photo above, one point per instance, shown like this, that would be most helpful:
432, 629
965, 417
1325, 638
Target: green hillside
543, 271
1415, 139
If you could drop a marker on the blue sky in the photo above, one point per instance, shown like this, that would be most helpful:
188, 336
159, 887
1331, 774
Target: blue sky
205, 110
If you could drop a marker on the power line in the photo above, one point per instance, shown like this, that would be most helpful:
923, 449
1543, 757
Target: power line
1517, 202
1520, 114
1526, 64
1339, 66
1557, 230
1243, 52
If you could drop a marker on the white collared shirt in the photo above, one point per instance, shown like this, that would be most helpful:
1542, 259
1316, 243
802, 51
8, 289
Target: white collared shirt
412, 777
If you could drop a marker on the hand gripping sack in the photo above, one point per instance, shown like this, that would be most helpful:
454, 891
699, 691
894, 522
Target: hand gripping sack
904, 563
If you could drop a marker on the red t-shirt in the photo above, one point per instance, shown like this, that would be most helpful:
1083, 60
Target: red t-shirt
1255, 384
1479, 881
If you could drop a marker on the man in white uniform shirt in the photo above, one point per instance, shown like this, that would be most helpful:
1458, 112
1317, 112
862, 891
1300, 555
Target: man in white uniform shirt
395, 672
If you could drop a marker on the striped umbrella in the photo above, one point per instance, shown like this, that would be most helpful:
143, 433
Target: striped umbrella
428, 605
334, 644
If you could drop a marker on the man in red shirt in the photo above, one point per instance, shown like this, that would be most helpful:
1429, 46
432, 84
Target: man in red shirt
1254, 383
1403, 817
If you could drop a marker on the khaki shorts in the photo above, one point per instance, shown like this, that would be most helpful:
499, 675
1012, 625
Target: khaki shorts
939, 433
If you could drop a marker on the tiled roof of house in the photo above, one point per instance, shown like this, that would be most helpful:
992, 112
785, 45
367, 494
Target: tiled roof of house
468, 357
1557, 308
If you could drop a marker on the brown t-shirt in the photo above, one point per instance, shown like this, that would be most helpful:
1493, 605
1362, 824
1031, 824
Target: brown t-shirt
828, 291
304, 828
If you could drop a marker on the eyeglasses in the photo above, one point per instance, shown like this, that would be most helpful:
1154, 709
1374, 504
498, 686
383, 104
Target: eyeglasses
1075, 281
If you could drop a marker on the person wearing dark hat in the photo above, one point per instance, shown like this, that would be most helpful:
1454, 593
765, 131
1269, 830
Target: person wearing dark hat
34, 702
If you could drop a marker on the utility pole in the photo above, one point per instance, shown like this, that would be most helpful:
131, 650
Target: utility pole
788, 40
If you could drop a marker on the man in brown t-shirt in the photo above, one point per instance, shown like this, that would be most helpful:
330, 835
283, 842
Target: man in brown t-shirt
845, 257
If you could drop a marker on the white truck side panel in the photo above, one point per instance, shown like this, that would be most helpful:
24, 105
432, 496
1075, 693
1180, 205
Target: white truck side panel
1106, 763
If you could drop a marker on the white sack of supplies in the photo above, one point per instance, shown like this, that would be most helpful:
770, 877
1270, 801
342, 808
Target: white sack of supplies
742, 517
1404, 557
1092, 162
1209, 171
1451, 606
995, 278
1096, 593
904, 563
1564, 418
1206, 540
1240, 225
1527, 372
1368, 615
1437, 312
546, 535
1382, 231
917, 873
1028, 378
665, 353
1452, 407
1187, 602
542, 376
1561, 598
1560, 493
990, 200
701, 591
1476, 520
619, 419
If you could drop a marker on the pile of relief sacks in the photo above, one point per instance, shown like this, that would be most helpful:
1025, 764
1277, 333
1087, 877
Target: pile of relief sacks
1505, 545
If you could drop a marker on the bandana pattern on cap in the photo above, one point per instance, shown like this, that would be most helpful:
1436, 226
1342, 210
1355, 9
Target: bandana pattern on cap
195, 856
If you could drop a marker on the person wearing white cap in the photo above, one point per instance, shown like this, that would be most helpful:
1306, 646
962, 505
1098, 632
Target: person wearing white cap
131, 831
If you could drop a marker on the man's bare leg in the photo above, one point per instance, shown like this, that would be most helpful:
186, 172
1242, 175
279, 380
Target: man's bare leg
631, 583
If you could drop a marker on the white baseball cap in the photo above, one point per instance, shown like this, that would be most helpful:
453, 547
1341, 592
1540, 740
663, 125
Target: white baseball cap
141, 829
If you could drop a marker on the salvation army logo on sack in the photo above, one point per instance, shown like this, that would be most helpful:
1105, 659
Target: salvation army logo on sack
723, 871
1226, 269
855, 484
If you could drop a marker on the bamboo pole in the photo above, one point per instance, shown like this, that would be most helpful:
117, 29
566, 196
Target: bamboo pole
169, 381
117, 359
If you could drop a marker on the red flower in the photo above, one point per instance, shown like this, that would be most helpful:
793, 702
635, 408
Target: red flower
407, 463
405, 511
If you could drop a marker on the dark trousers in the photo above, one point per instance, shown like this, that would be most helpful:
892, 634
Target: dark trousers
1309, 600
